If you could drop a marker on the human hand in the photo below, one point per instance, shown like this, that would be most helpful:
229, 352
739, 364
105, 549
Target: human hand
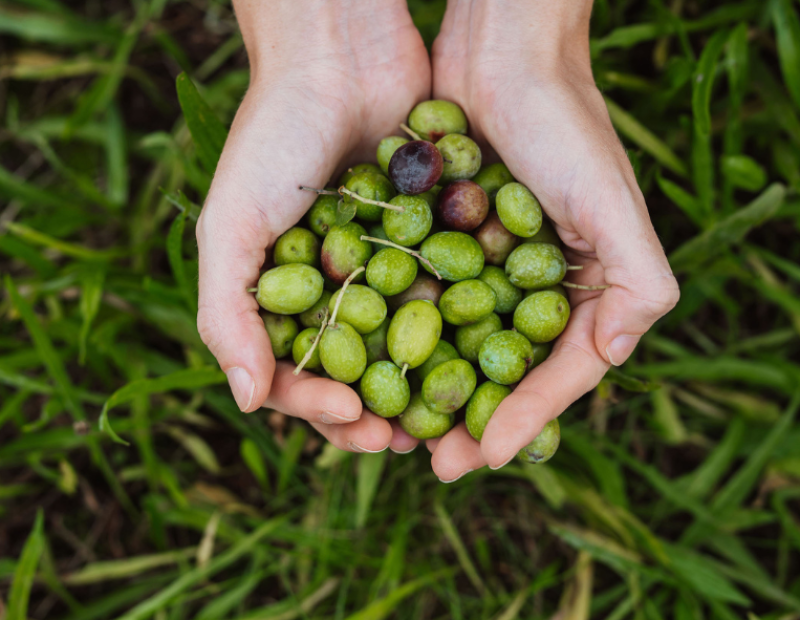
328, 81
522, 73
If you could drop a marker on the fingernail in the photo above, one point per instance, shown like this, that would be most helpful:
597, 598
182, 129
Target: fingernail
398, 451
503, 464
621, 348
356, 448
331, 418
459, 477
242, 386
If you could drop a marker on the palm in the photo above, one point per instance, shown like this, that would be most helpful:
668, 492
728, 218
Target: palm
555, 137
302, 120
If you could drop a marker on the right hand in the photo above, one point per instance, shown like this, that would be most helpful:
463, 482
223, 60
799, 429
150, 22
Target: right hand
328, 81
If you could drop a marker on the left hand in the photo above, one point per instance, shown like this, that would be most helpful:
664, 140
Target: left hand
522, 74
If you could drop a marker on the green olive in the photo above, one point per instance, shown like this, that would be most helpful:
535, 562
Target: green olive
547, 234
411, 226
455, 255
448, 386
322, 215
297, 245
542, 449
536, 265
462, 157
444, 352
314, 316
343, 252
391, 271
505, 357
289, 289
491, 178
386, 149
302, 344
467, 302
282, 331
508, 295
482, 405
414, 332
519, 210
542, 316
361, 307
469, 338
373, 186
384, 391
556, 288
350, 173
434, 119
376, 230
342, 353
420, 422
375, 343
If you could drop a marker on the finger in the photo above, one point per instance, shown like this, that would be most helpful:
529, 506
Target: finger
312, 398
573, 368
402, 442
251, 201
432, 443
643, 288
370, 433
456, 455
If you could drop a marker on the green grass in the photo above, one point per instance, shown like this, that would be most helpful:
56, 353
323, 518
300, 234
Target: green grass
677, 487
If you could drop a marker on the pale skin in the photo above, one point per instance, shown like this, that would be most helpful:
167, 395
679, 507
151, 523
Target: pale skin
329, 80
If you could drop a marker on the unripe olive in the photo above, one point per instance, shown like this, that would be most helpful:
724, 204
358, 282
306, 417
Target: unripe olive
289, 289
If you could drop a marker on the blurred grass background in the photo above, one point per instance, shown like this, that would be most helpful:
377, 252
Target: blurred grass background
675, 492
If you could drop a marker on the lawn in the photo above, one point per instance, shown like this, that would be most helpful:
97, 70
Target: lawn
130, 485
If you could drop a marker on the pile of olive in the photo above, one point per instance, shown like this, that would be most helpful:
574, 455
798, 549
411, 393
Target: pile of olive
472, 323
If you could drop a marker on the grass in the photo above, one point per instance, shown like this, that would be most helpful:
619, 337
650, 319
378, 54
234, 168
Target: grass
676, 490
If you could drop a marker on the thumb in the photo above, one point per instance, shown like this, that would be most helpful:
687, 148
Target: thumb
643, 288
230, 259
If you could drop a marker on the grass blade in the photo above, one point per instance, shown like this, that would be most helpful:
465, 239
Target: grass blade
370, 469
188, 379
637, 133
728, 231
91, 294
787, 36
194, 576
381, 608
207, 131
458, 546
26, 571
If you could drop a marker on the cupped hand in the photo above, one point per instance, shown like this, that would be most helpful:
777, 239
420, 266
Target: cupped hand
521, 72
328, 81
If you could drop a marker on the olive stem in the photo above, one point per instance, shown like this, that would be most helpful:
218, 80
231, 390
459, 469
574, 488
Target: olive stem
574, 267
314, 344
327, 192
410, 131
252, 290
586, 287
403, 373
347, 282
377, 203
406, 250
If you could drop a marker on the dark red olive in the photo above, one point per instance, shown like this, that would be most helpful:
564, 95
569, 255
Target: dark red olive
462, 205
415, 167
423, 287
495, 239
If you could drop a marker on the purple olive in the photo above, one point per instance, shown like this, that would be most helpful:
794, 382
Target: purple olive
462, 205
495, 239
415, 167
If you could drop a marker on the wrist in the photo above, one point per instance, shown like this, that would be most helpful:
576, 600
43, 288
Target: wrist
318, 34
548, 37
